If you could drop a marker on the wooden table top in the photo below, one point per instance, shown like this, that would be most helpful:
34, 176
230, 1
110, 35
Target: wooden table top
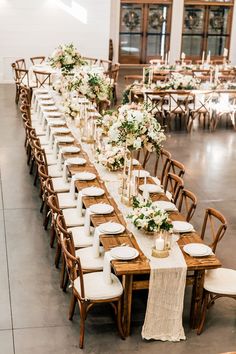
140, 265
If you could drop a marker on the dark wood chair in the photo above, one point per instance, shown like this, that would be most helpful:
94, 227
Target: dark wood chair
173, 186
90, 289
37, 60
187, 204
20, 64
43, 79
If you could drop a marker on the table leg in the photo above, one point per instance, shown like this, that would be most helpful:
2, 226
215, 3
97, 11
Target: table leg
127, 303
196, 301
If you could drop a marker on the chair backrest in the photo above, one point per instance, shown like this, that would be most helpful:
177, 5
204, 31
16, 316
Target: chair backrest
42, 78
37, 60
214, 227
22, 76
187, 204
105, 64
73, 265
91, 61
20, 64
162, 165
114, 73
129, 79
177, 168
173, 184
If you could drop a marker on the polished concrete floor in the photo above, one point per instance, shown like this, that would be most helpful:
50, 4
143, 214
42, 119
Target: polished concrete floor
33, 309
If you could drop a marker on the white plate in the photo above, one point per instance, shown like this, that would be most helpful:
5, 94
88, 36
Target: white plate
197, 249
111, 228
53, 122
76, 161
64, 139
151, 188
44, 96
124, 253
167, 206
49, 108
182, 226
42, 91
101, 208
54, 114
62, 130
93, 191
141, 173
68, 149
86, 176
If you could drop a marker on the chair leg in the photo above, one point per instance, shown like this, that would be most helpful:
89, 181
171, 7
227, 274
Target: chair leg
52, 237
119, 320
42, 206
66, 281
58, 255
72, 307
36, 177
63, 273
204, 310
46, 217
82, 325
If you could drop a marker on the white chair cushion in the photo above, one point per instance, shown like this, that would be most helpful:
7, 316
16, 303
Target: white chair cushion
80, 240
221, 281
51, 160
88, 262
72, 218
65, 201
54, 172
43, 140
59, 185
96, 289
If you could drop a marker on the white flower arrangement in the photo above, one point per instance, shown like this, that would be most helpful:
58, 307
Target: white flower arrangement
179, 82
58, 86
70, 108
136, 128
66, 57
96, 86
107, 120
148, 217
113, 158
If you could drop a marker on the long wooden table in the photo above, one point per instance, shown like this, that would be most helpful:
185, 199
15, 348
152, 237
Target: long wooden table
130, 271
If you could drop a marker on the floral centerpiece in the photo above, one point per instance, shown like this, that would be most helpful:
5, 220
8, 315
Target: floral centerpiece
136, 128
70, 108
96, 86
106, 120
183, 82
113, 158
66, 57
148, 217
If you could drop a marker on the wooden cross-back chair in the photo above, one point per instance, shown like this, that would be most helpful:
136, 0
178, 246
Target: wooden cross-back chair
173, 186
220, 282
177, 106
20, 64
22, 76
201, 107
91, 61
85, 290
187, 204
37, 60
105, 64
14, 67
43, 79
215, 223
113, 74
162, 165
177, 168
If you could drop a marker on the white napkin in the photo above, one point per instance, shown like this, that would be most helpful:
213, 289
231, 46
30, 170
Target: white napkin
59, 160
107, 267
51, 139
96, 242
156, 180
87, 222
79, 205
54, 151
64, 173
72, 186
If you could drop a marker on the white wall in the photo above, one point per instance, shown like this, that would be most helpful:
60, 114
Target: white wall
36, 27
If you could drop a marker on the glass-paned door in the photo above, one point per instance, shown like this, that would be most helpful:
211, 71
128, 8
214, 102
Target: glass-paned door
206, 28
144, 31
